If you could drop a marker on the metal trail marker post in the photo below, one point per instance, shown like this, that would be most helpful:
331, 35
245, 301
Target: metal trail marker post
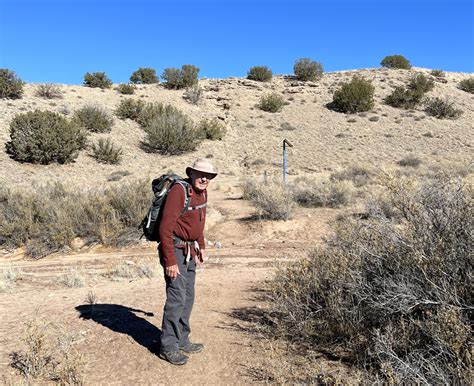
285, 142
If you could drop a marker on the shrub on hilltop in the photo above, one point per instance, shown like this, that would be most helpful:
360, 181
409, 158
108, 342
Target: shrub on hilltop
306, 69
129, 108
211, 129
467, 85
271, 103
42, 137
11, 86
106, 152
144, 76
354, 96
260, 74
404, 98
396, 61
126, 88
420, 83
176, 78
97, 80
442, 108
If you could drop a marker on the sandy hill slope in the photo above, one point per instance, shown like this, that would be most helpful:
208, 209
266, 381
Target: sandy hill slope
324, 140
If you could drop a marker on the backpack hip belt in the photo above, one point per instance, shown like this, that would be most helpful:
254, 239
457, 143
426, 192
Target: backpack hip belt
187, 245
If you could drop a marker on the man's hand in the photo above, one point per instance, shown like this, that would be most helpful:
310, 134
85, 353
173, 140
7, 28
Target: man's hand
172, 271
204, 256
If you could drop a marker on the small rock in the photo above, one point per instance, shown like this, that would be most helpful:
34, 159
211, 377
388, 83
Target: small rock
218, 244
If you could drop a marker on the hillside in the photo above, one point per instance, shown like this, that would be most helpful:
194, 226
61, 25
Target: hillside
324, 140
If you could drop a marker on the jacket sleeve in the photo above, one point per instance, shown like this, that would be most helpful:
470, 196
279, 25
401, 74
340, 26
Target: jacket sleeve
173, 206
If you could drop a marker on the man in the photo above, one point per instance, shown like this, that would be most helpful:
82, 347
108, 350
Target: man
182, 247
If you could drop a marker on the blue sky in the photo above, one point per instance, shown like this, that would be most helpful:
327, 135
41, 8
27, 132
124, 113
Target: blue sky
60, 40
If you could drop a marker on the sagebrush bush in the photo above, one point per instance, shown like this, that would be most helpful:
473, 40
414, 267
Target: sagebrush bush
126, 88
106, 152
438, 73
144, 76
322, 193
129, 108
48, 218
171, 132
467, 85
151, 111
396, 61
42, 137
176, 78
273, 200
11, 86
306, 69
411, 161
193, 94
271, 103
393, 294
404, 98
48, 91
358, 175
212, 129
260, 73
97, 80
442, 108
420, 83
93, 118
354, 96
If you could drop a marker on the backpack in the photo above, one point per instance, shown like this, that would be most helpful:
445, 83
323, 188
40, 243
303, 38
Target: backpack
161, 186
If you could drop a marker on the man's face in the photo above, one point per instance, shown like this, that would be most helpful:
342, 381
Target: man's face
200, 180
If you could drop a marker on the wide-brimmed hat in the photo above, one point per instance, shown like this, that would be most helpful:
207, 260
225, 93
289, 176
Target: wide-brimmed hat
202, 165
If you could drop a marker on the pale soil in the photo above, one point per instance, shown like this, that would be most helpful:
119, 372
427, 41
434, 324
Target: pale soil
117, 344
323, 140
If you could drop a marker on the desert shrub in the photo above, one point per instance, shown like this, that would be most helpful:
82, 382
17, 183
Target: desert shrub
271, 103
42, 137
176, 78
441, 108
170, 132
11, 86
48, 91
94, 119
358, 175
211, 129
380, 291
47, 218
260, 73
322, 193
73, 278
144, 76
467, 85
273, 200
129, 108
8, 278
396, 61
144, 269
193, 94
151, 111
306, 69
420, 83
438, 73
106, 152
97, 80
404, 98
48, 356
354, 96
411, 161
126, 88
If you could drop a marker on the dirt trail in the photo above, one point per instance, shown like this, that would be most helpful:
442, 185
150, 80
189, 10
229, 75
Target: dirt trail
117, 337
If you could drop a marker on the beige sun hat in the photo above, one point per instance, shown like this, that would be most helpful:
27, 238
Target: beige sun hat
202, 165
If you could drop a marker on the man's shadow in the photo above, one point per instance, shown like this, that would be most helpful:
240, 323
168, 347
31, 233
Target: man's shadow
124, 320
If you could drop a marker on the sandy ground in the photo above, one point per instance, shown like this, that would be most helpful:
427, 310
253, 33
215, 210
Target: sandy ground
117, 336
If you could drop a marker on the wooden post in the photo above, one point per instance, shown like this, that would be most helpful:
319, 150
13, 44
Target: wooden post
285, 142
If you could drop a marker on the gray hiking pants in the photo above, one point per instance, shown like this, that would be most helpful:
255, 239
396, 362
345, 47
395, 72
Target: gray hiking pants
179, 304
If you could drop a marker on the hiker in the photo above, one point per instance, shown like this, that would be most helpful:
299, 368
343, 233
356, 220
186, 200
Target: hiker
181, 248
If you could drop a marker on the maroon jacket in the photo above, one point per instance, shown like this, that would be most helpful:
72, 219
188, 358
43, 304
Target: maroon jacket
187, 227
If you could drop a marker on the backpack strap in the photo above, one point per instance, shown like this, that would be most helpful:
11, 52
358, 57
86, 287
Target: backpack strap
187, 195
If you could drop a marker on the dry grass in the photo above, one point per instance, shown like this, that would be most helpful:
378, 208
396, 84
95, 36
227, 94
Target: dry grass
8, 278
49, 356
147, 268
73, 278
380, 293
310, 192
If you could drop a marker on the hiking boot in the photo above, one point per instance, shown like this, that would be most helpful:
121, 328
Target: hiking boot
192, 348
174, 357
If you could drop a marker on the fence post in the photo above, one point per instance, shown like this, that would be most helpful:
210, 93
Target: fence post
285, 142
